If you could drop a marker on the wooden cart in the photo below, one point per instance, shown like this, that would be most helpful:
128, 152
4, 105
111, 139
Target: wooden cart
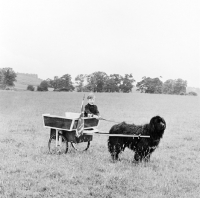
63, 131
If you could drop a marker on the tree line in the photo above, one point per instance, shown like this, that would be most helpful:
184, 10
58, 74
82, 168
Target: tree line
155, 85
7, 77
101, 82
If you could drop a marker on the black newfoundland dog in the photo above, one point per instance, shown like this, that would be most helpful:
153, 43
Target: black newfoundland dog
143, 147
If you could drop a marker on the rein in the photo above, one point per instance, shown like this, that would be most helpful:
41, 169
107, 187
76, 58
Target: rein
109, 120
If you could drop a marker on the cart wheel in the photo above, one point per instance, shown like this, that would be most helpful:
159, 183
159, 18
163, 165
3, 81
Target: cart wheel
62, 144
83, 146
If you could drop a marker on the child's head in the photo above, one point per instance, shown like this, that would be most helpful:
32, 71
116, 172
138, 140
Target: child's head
91, 99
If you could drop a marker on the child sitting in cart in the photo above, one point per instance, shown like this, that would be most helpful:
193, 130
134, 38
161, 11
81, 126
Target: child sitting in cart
91, 110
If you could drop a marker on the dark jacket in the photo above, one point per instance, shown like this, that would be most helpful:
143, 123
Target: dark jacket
91, 109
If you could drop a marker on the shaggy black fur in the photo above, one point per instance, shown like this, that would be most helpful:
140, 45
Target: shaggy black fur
143, 147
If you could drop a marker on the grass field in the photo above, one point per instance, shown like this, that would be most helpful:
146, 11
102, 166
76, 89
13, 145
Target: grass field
28, 170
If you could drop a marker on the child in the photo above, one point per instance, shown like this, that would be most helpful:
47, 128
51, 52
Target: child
91, 109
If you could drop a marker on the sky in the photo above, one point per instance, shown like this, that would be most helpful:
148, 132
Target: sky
149, 38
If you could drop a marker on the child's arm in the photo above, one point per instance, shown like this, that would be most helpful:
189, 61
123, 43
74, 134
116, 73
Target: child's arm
97, 114
97, 111
87, 111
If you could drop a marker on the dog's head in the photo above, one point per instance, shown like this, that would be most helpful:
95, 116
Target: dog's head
157, 125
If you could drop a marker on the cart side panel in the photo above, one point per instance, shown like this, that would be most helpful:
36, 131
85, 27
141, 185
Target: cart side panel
91, 122
55, 122
88, 123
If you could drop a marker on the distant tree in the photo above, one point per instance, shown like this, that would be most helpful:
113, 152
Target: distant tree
180, 86
157, 84
39, 88
30, 88
65, 83
113, 83
193, 89
43, 86
61, 84
80, 79
142, 86
127, 83
54, 83
48, 80
149, 85
176, 87
7, 77
110, 86
192, 93
97, 81
168, 86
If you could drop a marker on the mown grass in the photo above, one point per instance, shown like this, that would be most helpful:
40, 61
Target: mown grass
28, 170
